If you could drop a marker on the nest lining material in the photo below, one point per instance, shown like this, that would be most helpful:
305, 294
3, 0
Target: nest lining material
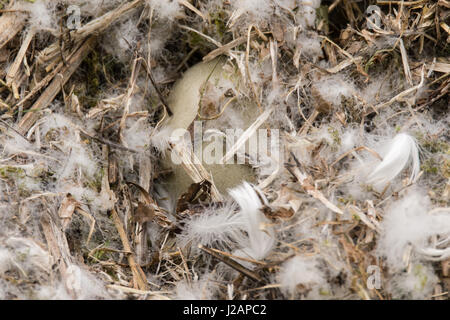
356, 207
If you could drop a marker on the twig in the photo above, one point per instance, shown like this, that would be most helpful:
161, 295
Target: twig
12, 72
127, 98
55, 86
215, 42
161, 97
109, 143
406, 67
141, 292
59, 249
192, 8
224, 49
231, 263
140, 236
305, 182
247, 70
11, 23
92, 28
400, 95
373, 152
139, 278
247, 134
13, 129
262, 264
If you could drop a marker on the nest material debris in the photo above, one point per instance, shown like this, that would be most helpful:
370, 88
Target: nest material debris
84, 205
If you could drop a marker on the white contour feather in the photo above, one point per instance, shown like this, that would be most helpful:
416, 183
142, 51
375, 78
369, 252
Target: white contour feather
408, 221
215, 227
300, 270
403, 149
259, 242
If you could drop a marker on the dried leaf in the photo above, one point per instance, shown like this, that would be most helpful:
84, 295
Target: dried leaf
278, 32
113, 170
446, 268
143, 213
160, 216
307, 184
321, 104
146, 196
67, 208
162, 220
363, 217
196, 194
287, 199
277, 213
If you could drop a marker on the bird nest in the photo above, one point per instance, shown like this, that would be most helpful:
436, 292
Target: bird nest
210, 149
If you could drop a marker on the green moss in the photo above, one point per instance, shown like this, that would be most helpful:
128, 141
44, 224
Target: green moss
322, 18
219, 20
112, 67
94, 69
436, 145
8, 172
3, 3
23, 190
382, 59
196, 40
347, 200
93, 78
96, 182
324, 292
99, 254
430, 166
433, 144
351, 108
21, 256
423, 278
112, 274
445, 168
336, 138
